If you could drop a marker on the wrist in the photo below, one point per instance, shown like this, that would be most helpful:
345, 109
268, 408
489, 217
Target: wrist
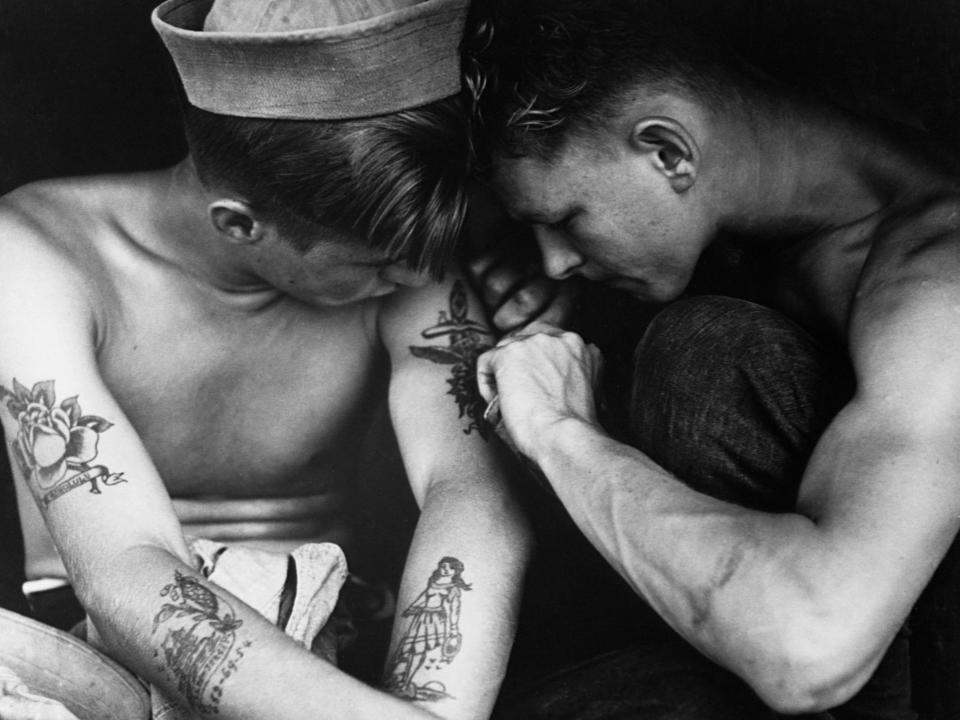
560, 439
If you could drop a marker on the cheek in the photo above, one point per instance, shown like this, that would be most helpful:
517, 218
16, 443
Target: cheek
350, 284
640, 245
336, 285
619, 242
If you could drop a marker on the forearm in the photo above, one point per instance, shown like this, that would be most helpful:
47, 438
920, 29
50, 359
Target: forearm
762, 594
212, 653
478, 526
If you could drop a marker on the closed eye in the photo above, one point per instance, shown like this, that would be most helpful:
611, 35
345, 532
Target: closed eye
565, 223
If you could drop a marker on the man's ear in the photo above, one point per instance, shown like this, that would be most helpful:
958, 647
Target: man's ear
671, 149
237, 221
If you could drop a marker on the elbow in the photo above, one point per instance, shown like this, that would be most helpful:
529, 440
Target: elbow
806, 692
111, 591
814, 672
107, 587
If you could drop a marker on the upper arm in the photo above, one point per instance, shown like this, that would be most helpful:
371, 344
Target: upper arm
434, 336
884, 481
68, 440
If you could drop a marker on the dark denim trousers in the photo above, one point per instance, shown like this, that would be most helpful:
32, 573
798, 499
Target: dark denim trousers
731, 397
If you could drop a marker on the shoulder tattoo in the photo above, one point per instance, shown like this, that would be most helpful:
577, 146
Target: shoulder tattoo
466, 341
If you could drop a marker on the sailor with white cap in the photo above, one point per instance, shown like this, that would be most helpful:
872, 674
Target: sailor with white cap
198, 351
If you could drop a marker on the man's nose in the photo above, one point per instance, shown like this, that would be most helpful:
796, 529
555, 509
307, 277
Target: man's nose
402, 274
560, 258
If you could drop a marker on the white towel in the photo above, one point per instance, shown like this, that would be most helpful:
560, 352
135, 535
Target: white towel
298, 591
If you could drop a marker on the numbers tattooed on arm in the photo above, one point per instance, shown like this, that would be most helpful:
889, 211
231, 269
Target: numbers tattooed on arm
200, 649
467, 341
55, 444
432, 638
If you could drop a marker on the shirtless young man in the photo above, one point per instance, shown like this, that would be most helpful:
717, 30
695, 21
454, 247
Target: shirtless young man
782, 520
219, 332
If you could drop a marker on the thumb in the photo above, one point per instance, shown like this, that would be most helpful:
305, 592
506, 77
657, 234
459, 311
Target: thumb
486, 376
596, 365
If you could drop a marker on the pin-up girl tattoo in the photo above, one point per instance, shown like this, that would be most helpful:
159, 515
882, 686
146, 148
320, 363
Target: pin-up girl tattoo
55, 444
432, 638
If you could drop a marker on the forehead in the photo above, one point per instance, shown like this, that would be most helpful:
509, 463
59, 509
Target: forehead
532, 188
525, 186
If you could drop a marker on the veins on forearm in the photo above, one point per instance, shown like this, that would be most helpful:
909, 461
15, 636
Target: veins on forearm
432, 638
467, 341
55, 444
200, 648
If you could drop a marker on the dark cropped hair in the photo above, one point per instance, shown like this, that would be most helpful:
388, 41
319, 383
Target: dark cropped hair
396, 181
543, 70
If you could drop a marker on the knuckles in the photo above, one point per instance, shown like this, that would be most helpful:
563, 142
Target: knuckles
498, 283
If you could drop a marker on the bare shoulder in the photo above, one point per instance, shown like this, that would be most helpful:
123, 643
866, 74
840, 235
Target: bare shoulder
45, 233
48, 213
918, 239
28, 236
906, 312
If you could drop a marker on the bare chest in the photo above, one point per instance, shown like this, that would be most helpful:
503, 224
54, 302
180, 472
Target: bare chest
268, 404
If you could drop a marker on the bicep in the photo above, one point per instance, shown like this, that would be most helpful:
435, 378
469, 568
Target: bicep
71, 444
434, 337
883, 484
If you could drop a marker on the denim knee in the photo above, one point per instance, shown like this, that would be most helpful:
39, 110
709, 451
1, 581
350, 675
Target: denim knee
731, 398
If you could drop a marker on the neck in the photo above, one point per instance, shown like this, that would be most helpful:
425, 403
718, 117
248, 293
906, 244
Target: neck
803, 168
180, 232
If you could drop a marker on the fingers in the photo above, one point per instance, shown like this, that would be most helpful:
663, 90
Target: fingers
560, 311
479, 265
516, 292
537, 298
486, 379
500, 278
537, 327
525, 302
496, 271
596, 365
486, 376
541, 334
492, 413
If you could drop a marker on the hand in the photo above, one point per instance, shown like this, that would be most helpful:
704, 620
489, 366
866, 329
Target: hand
516, 292
540, 376
505, 268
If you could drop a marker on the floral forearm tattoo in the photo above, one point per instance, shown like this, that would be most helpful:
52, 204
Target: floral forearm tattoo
432, 637
200, 648
467, 340
55, 444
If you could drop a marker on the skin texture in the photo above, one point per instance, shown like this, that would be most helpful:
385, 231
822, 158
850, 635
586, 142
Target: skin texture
17, 702
801, 605
163, 342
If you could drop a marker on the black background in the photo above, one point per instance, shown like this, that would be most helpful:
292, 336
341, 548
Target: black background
86, 87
